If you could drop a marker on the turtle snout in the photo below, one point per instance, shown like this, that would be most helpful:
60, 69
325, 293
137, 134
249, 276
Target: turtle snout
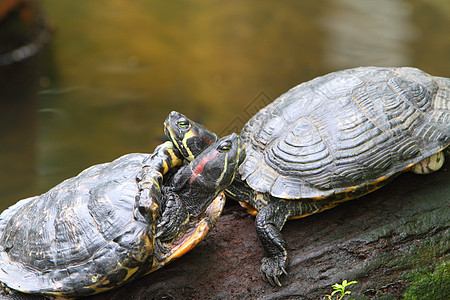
174, 113
172, 118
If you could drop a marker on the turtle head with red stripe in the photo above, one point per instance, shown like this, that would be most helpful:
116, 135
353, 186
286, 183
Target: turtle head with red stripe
189, 137
211, 172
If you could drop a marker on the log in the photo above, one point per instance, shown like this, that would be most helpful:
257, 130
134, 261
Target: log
381, 240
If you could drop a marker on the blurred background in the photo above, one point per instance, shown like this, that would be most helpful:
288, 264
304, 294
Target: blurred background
84, 82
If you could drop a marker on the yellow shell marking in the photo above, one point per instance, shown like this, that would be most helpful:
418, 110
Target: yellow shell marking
97, 281
331, 205
250, 209
130, 272
339, 198
213, 212
199, 234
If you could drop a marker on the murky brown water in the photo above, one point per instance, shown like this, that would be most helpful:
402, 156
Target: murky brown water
116, 68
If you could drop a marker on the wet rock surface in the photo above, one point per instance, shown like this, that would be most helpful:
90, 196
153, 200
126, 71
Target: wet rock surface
377, 240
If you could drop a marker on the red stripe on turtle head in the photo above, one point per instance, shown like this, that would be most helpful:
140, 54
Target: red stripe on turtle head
209, 141
198, 169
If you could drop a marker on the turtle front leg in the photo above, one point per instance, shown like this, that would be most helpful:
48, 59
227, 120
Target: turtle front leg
173, 219
149, 179
269, 222
5, 289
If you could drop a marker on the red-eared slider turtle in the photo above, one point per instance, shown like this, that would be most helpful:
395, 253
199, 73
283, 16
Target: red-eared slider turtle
332, 139
89, 234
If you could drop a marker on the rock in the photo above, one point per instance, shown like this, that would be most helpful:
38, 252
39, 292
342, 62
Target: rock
380, 240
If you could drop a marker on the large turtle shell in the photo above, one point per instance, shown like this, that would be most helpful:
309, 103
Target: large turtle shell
345, 130
81, 238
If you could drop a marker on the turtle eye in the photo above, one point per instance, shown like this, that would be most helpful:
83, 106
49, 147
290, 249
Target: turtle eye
225, 146
183, 124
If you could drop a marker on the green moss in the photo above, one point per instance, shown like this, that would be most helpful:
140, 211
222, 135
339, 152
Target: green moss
429, 277
429, 285
429, 253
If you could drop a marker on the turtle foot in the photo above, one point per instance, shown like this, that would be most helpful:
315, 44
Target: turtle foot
4, 289
146, 208
272, 268
173, 219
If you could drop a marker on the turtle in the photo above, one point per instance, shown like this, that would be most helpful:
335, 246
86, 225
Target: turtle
332, 139
90, 233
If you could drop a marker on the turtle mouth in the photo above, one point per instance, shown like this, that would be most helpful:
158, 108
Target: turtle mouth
167, 131
170, 134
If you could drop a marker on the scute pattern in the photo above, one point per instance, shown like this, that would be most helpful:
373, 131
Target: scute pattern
80, 225
74, 224
301, 149
345, 129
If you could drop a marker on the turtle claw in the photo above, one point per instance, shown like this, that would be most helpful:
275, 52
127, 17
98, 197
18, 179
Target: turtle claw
146, 207
274, 281
160, 229
5, 289
271, 270
173, 219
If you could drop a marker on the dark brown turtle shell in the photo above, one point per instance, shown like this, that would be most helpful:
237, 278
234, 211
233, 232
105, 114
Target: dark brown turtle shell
83, 236
345, 132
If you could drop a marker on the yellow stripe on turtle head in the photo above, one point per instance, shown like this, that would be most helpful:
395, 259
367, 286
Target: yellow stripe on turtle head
224, 171
176, 161
187, 136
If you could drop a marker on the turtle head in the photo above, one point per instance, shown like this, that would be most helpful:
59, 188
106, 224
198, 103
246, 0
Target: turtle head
209, 173
189, 137
218, 164
199, 185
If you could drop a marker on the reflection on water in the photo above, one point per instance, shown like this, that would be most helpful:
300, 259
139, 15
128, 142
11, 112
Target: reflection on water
115, 69
23, 31
18, 128
22, 34
368, 32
